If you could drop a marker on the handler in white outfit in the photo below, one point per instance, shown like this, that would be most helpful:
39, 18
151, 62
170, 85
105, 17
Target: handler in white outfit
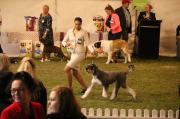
76, 40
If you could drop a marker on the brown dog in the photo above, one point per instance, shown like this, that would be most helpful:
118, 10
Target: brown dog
112, 46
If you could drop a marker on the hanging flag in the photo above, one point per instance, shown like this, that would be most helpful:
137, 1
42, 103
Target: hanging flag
140, 4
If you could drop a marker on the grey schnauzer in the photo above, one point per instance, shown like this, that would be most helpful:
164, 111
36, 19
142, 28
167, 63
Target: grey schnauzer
107, 78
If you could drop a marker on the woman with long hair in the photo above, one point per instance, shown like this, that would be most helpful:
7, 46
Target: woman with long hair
63, 105
22, 87
40, 93
112, 24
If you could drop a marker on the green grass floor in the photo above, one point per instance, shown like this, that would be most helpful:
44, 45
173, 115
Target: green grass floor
155, 81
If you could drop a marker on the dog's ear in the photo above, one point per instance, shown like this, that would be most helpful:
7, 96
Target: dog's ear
85, 67
97, 44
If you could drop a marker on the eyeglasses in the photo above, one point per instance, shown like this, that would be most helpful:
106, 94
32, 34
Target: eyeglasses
21, 89
78, 24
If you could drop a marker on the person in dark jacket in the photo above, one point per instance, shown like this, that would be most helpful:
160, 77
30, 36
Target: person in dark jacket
40, 94
46, 36
125, 19
147, 14
5, 78
63, 105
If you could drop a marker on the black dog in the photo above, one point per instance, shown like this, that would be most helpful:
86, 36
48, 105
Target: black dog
105, 79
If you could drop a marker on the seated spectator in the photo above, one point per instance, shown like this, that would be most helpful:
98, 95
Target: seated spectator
40, 93
21, 87
63, 105
5, 77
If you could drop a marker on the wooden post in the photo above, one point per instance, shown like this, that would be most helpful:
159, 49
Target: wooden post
135, 37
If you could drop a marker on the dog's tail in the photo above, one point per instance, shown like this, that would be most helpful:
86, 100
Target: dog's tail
131, 68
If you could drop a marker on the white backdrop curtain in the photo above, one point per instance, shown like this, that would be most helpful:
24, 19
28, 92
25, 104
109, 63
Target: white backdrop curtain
64, 11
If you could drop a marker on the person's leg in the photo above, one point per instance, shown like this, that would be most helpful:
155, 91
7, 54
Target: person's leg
114, 57
79, 78
47, 57
116, 54
49, 51
43, 54
68, 73
125, 35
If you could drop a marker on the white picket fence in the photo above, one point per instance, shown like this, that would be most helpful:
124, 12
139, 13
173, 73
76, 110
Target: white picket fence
115, 113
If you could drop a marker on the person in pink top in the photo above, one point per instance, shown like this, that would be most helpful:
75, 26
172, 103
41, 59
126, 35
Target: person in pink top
112, 24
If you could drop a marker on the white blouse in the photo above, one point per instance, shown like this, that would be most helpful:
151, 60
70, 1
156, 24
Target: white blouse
76, 42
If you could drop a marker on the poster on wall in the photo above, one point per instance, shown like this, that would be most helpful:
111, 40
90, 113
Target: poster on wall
26, 48
140, 4
38, 49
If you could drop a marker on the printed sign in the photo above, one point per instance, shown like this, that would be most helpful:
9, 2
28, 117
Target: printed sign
140, 4
26, 48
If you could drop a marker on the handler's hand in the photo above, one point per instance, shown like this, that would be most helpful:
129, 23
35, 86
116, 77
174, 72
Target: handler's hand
44, 36
108, 29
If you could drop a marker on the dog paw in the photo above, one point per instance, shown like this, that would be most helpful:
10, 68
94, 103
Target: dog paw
112, 98
105, 96
134, 97
107, 62
125, 61
83, 97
